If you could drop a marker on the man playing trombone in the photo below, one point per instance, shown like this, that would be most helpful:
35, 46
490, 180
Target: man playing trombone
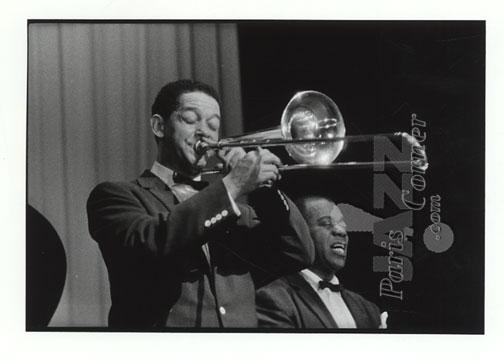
180, 253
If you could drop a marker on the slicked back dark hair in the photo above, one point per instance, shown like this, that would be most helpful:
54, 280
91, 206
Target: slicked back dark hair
167, 100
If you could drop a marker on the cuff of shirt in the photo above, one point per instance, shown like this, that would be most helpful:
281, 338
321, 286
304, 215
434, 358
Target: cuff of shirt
233, 205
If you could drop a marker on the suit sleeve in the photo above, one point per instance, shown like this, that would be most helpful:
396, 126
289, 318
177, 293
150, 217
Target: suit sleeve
275, 308
365, 312
272, 235
278, 241
374, 314
119, 212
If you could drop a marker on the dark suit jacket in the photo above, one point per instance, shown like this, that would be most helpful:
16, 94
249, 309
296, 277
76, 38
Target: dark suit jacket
290, 302
158, 273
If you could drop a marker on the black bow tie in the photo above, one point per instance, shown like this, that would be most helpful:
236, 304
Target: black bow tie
333, 287
181, 179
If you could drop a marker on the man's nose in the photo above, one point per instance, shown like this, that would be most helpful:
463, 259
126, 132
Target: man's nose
202, 130
339, 231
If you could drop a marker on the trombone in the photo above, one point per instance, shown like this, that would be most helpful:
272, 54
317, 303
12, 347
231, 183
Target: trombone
313, 133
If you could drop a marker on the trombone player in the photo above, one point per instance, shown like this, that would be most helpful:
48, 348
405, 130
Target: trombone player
181, 253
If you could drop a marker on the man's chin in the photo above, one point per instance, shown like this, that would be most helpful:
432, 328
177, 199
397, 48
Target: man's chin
338, 264
200, 164
197, 167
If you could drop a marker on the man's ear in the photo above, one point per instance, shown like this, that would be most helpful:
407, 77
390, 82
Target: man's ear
157, 125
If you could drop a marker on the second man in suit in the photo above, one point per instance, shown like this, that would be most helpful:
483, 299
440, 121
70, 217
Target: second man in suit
314, 297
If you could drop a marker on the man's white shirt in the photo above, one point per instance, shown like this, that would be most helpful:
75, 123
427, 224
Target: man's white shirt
332, 300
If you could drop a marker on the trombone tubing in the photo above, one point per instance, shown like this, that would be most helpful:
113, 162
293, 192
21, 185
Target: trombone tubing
334, 166
201, 146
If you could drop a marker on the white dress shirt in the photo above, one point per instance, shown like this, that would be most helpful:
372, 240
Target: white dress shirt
332, 300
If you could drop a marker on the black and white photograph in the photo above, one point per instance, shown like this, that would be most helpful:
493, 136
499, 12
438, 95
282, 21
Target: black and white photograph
251, 180
268, 176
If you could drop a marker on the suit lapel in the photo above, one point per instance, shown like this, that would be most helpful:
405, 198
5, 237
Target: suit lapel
356, 309
162, 192
312, 300
158, 188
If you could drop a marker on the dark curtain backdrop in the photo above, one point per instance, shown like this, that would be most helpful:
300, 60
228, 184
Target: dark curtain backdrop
379, 73
90, 88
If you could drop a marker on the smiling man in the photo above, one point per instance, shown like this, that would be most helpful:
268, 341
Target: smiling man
182, 253
314, 297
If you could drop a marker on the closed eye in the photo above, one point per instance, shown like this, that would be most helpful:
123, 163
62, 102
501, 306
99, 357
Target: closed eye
325, 222
189, 117
328, 222
214, 123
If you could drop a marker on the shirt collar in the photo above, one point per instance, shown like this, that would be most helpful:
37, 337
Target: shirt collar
166, 174
313, 279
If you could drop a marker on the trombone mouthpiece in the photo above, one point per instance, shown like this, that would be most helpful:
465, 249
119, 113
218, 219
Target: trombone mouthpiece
200, 147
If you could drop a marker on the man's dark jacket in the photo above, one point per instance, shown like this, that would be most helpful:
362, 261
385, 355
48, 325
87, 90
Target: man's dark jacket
158, 273
291, 302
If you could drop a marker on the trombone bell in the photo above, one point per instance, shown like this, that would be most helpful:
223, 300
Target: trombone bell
313, 115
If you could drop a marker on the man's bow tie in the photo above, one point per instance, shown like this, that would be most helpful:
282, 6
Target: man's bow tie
181, 179
333, 287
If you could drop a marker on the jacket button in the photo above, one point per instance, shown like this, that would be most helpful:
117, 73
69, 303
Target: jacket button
222, 310
224, 212
218, 216
213, 220
208, 223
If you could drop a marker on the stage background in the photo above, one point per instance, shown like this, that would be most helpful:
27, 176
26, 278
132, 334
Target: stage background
90, 88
